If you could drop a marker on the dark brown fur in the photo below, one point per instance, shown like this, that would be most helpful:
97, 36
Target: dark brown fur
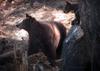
44, 37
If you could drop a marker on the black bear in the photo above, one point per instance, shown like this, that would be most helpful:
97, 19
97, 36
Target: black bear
70, 7
75, 8
47, 37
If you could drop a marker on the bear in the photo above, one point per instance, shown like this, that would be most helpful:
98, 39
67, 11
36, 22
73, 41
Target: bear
73, 8
47, 37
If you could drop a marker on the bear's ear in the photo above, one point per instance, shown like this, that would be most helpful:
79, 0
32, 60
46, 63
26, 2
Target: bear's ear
68, 3
29, 17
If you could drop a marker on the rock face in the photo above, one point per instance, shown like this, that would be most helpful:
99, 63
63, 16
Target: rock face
84, 53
